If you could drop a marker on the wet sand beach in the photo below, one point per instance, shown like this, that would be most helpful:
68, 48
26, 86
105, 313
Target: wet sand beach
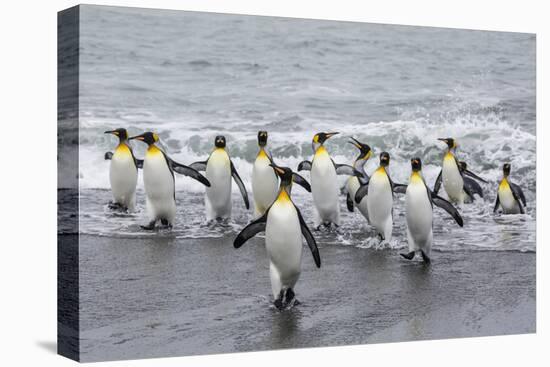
158, 296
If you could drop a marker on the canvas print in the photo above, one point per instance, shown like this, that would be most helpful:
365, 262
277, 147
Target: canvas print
233, 183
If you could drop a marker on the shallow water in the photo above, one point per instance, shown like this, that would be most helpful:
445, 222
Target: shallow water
482, 229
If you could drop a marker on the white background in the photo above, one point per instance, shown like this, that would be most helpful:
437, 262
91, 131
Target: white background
28, 180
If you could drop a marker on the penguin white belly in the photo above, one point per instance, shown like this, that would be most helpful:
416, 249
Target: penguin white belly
324, 188
283, 240
452, 180
123, 177
380, 203
352, 186
507, 201
159, 187
265, 185
218, 195
419, 214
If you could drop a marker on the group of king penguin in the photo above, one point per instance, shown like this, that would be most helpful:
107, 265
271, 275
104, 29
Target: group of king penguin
276, 214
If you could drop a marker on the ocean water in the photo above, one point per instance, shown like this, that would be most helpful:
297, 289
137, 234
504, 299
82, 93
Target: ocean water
191, 76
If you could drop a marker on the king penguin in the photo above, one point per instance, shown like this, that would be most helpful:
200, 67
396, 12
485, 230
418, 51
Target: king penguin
219, 169
353, 183
509, 195
284, 227
123, 172
379, 190
453, 175
265, 181
324, 185
419, 201
158, 177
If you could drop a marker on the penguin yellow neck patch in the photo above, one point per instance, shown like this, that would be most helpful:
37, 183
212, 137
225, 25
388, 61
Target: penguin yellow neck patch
321, 150
122, 149
416, 178
283, 197
153, 150
449, 156
262, 154
504, 185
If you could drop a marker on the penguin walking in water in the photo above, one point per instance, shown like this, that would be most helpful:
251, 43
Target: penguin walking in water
510, 197
284, 227
354, 182
324, 185
379, 191
123, 172
419, 201
158, 177
265, 181
453, 175
219, 170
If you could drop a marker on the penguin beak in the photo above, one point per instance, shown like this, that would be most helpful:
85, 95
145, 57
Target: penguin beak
329, 135
137, 137
355, 143
443, 140
114, 132
278, 170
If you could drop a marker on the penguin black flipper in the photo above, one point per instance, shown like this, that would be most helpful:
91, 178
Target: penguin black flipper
309, 239
361, 192
346, 169
239, 182
304, 165
349, 202
137, 162
437, 184
472, 187
199, 166
468, 192
497, 203
252, 229
518, 192
396, 187
473, 175
448, 207
108, 156
188, 171
517, 196
301, 181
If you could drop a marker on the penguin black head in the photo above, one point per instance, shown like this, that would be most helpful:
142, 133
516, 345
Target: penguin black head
262, 138
364, 150
416, 164
451, 143
506, 169
320, 138
120, 132
284, 173
149, 138
219, 142
384, 159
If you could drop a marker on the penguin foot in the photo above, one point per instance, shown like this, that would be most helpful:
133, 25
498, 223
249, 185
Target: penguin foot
408, 256
165, 223
150, 226
117, 206
289, 296
425, 257
381, 236
279, 301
